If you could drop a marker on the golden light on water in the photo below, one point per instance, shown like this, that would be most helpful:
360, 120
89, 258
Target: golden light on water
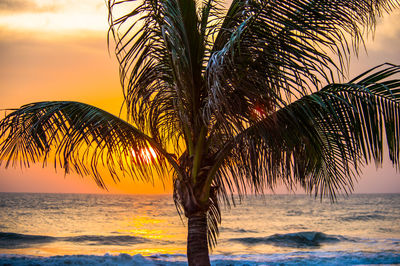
152, 228
143, 227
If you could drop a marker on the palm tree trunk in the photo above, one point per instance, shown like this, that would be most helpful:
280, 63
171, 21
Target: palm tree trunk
197, 248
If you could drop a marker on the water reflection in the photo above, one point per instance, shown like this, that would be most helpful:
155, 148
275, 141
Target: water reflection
99, 224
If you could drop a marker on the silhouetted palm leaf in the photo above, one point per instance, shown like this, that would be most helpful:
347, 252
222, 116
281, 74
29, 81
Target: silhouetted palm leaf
273, 51
82, 138
320, 140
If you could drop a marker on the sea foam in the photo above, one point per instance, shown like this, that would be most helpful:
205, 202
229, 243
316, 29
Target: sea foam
296, 258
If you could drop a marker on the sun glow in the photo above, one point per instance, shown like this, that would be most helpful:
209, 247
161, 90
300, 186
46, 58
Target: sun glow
259, 112
146, 155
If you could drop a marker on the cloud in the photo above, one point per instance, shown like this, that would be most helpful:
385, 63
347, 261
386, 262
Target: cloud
15, 5
56, 16
382, 48
59, 6
22, 6
387, 35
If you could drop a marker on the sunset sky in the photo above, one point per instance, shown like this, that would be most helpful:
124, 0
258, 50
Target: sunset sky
57, 50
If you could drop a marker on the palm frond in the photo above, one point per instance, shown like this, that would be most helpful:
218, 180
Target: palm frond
273, 51
161, 59
211, 15
81, 138
145, 67
213, 220
319, 141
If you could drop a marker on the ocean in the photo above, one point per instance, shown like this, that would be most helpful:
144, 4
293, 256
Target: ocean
106, 229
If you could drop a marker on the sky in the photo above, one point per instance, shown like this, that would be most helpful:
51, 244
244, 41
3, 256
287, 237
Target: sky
57, 50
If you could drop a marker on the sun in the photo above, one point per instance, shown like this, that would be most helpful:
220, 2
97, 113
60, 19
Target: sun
145, 155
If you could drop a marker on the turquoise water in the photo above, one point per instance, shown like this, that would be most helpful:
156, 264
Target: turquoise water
129, 229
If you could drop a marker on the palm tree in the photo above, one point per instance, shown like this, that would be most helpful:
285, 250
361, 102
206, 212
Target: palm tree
230, 101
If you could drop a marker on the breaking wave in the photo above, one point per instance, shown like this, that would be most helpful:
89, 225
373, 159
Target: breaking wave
364, 217
14, 240
299, 239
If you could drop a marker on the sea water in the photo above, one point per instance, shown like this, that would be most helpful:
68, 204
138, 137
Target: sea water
78, 229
